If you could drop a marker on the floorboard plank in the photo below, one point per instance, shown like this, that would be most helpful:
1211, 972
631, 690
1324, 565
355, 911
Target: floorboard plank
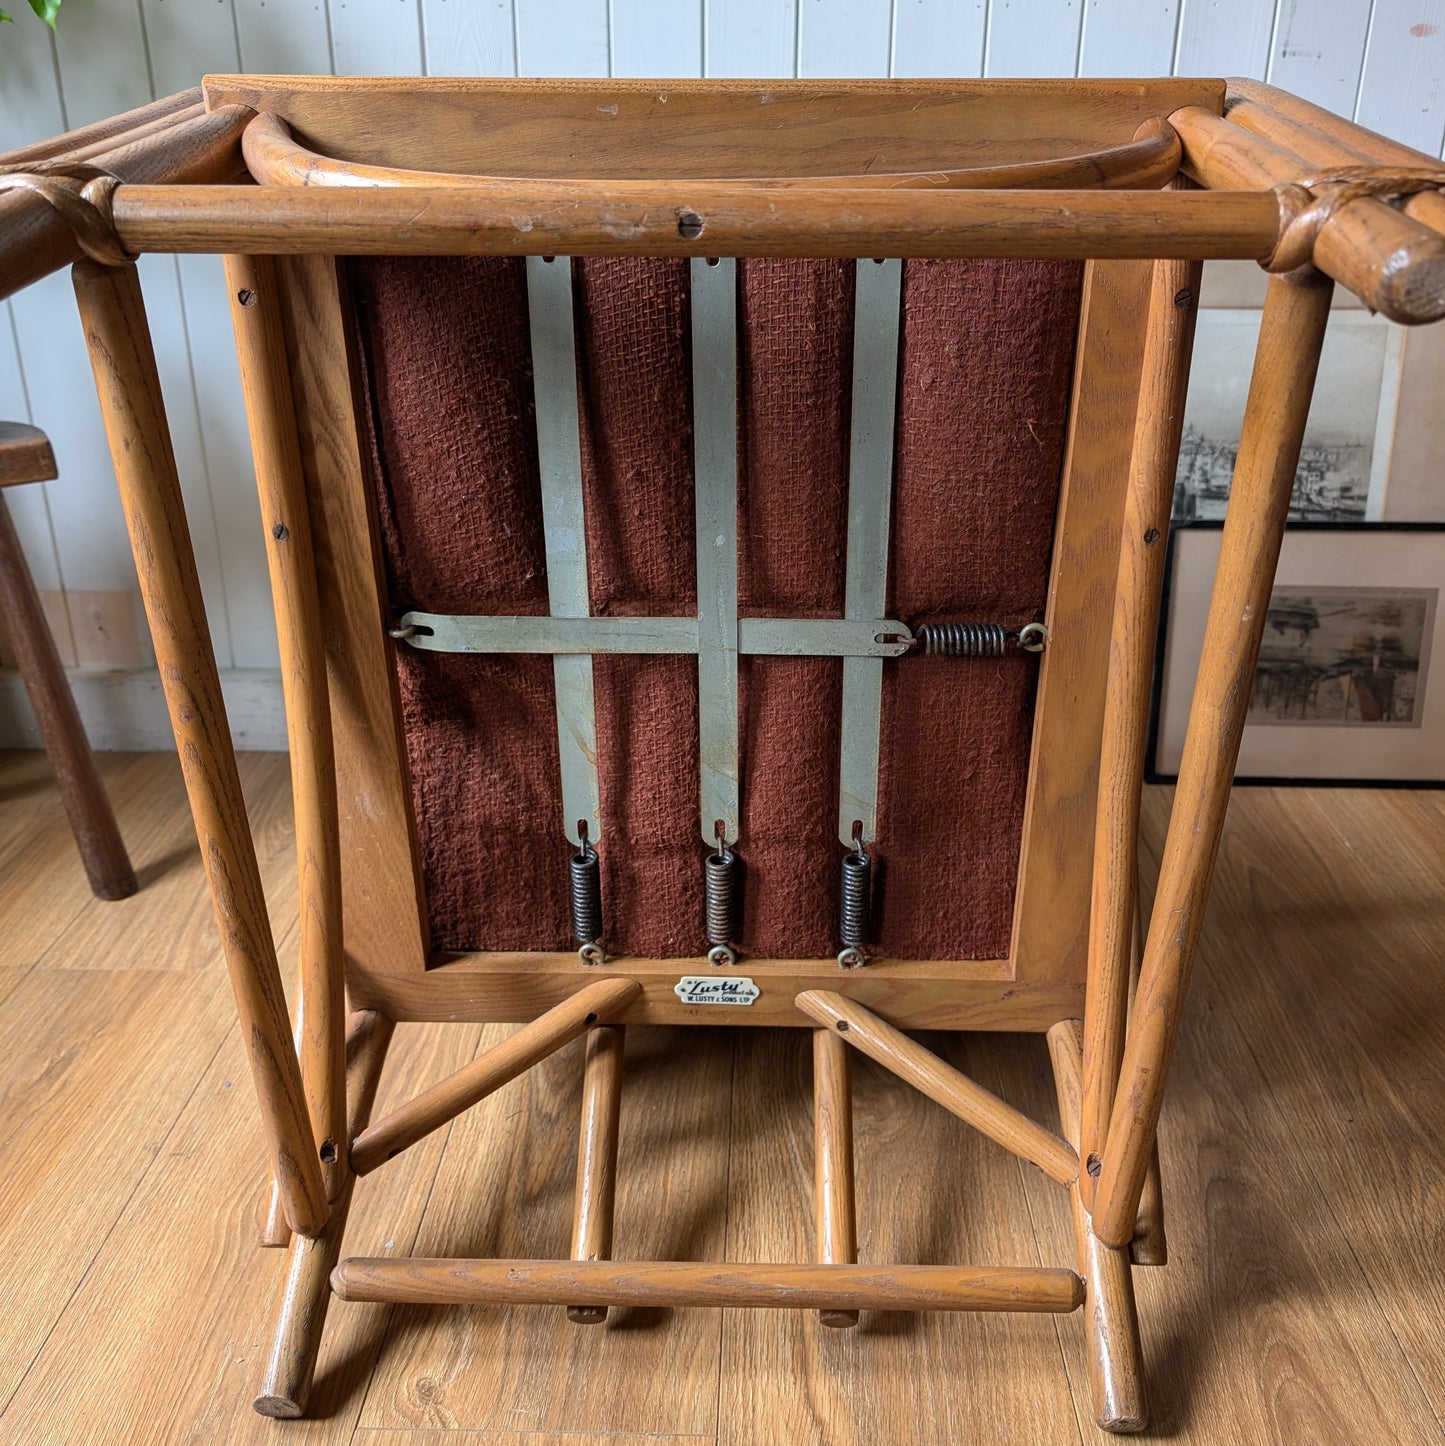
930, 1191
182, 1282
505, 1190
158, 831
1343, 1007
94, 1070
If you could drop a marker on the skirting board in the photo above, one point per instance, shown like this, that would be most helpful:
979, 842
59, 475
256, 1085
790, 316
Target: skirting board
125, 711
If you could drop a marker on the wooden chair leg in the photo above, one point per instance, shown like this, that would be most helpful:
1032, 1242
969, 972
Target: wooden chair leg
117, 334
102, 850
597, 1157
1292, 328
306, 1290
272, 1229
301, 1316
833, 1207
1116, 1366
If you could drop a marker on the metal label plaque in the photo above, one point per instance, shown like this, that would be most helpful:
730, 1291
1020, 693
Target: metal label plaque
716, 989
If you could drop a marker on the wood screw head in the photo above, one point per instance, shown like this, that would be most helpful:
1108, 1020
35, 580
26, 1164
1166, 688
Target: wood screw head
246, 296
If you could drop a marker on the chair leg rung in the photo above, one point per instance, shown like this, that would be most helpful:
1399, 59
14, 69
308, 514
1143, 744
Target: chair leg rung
665, 1284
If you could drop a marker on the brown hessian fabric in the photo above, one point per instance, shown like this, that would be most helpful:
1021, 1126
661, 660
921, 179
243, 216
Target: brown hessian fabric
984, 370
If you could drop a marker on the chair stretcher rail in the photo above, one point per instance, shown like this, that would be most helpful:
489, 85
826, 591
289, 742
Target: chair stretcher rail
667, 1283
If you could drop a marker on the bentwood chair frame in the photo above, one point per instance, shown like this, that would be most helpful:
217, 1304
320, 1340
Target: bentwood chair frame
1155, 177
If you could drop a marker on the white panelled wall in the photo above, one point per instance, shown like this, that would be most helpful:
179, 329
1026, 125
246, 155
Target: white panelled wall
1380, 61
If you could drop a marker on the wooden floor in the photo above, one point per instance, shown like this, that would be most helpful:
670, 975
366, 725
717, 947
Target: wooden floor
1303, 1156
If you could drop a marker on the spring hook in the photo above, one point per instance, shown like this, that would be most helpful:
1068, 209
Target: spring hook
855, 915
721, 880
586, 881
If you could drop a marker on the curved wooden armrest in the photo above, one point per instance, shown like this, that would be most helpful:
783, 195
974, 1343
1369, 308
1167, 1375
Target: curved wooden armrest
1149, 161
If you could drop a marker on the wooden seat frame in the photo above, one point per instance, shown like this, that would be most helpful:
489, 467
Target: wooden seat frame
1154, 178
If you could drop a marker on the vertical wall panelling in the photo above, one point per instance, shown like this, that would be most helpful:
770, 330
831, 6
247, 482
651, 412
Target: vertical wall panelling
656, 38
29, 110
1318, 50
28, 506
749, 37
469, 37
1126, 37
844, 37
1033, 37
939, 37
186, 39
376, 37
105, 67
293, 38
565, 37
1225, 37
1402, 90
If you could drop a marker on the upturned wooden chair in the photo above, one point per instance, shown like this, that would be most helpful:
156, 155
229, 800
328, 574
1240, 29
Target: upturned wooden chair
716, 533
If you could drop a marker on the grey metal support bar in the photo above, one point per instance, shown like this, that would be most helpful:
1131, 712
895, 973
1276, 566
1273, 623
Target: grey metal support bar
559, 452
715, 469
870, 495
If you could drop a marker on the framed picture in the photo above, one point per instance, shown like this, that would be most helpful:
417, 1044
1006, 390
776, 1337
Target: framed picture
1344, 690
1345, 462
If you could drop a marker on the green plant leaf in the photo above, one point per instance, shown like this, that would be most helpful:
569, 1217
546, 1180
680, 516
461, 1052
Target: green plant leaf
47, 10
4, 17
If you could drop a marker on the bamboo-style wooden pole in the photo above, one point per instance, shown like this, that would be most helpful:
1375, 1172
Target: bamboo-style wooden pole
196, 149
1116, 1363
266, 384
1326, 140
670, 1283
835, 1220
597, 1157
306, 1288
541, 218
488, 1072
117, 129
1292, 328
943, 1084
113, 315
1159, 423
1393, 263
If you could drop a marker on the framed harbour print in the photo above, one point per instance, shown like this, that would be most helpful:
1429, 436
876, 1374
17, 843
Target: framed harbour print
1345, 688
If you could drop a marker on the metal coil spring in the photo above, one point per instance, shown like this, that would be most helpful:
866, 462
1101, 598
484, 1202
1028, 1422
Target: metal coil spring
586, 894
962, 640
720, 881
855, 916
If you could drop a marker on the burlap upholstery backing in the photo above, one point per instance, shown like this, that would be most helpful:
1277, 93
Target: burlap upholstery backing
985, 367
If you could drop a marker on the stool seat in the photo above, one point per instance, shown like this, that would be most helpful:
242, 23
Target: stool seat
25, 455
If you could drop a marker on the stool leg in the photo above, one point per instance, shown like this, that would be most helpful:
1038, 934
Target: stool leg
597, 1157
835, 1218
101, 849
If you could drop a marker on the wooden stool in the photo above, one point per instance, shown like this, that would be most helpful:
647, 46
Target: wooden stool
25, 456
